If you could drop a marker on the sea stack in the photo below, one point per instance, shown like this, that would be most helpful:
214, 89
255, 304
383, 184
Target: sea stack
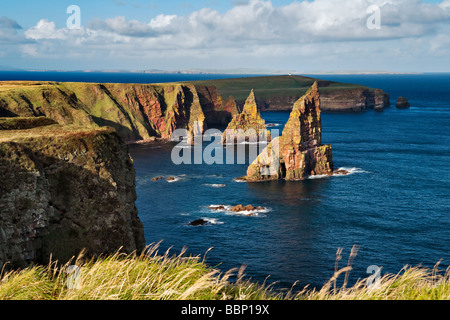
403, 103
299, 152
246, 126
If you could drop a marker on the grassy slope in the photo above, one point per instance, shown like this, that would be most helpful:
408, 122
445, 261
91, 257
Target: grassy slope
272, 86
155, 277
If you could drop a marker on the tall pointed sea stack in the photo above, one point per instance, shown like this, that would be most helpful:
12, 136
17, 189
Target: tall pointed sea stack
298, 153
246, 126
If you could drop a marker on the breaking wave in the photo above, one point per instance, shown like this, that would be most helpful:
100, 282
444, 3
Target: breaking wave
215, 185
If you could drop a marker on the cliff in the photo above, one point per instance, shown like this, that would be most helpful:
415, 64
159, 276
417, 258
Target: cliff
149, 111
246, 126
218, 112
65, 188
279, 93
299, 152
136, 111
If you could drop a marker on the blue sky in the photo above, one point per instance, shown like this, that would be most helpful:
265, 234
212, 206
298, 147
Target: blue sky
315, 35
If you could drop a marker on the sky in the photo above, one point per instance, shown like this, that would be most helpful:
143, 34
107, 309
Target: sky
278, 35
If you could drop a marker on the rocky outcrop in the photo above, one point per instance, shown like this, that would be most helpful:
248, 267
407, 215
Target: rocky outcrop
353, 100
403, 103
299, 152
137, 111
64, 189
18, 123
246, 126
279, 93
218, 112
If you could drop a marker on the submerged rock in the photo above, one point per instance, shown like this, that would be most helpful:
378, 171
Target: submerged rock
217, 208
403, 103
198, 222
240, 208
299, 152
341, 172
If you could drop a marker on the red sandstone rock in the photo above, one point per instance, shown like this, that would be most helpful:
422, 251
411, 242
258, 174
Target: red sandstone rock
299, 152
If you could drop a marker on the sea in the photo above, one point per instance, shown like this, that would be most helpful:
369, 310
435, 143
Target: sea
393, 208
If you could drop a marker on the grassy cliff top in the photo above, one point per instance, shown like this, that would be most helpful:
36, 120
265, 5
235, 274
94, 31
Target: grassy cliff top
272, 86
55, 130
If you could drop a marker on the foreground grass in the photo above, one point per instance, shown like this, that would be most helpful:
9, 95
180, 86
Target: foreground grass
152, 276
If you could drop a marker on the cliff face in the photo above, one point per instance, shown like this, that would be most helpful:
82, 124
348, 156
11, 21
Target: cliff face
249, 119
279, 93
136, 111
299, 152
351, 100
218, 112
65, 188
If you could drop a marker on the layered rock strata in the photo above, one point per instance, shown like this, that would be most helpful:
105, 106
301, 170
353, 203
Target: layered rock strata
137, 111
299, 152
64, 189
218, 112
247, 126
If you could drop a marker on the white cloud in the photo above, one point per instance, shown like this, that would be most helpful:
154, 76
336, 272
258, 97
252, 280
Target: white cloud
255, 29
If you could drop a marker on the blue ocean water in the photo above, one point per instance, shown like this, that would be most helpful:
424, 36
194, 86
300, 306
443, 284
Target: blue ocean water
395, 205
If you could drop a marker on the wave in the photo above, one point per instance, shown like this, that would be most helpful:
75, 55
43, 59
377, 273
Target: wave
350, 170
228, 210
173, 179
340, 172
215, 185
319, 176
213, 221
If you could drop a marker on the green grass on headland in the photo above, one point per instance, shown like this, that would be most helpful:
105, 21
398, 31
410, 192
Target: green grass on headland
152, 276
270, 87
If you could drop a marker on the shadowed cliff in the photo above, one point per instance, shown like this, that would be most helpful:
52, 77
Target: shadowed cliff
64, 189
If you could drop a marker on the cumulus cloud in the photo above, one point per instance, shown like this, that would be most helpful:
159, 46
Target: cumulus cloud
256, 27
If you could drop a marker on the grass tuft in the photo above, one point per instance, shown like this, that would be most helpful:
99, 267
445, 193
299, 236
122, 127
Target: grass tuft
154, 276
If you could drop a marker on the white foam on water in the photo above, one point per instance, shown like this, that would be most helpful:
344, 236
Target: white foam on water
213, 221
228, 210
175, 180
214, 208
351, 170
319, 176
215, 185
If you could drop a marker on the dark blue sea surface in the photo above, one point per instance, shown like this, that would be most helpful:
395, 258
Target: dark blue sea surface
395, 205
108, 77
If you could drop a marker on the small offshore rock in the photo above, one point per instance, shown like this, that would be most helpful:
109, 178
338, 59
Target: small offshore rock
403, 103
198, 222
217, 208
240, 208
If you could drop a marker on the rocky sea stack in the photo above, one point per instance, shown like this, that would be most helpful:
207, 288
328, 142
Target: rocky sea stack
299, 152
246, 126
403, 103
